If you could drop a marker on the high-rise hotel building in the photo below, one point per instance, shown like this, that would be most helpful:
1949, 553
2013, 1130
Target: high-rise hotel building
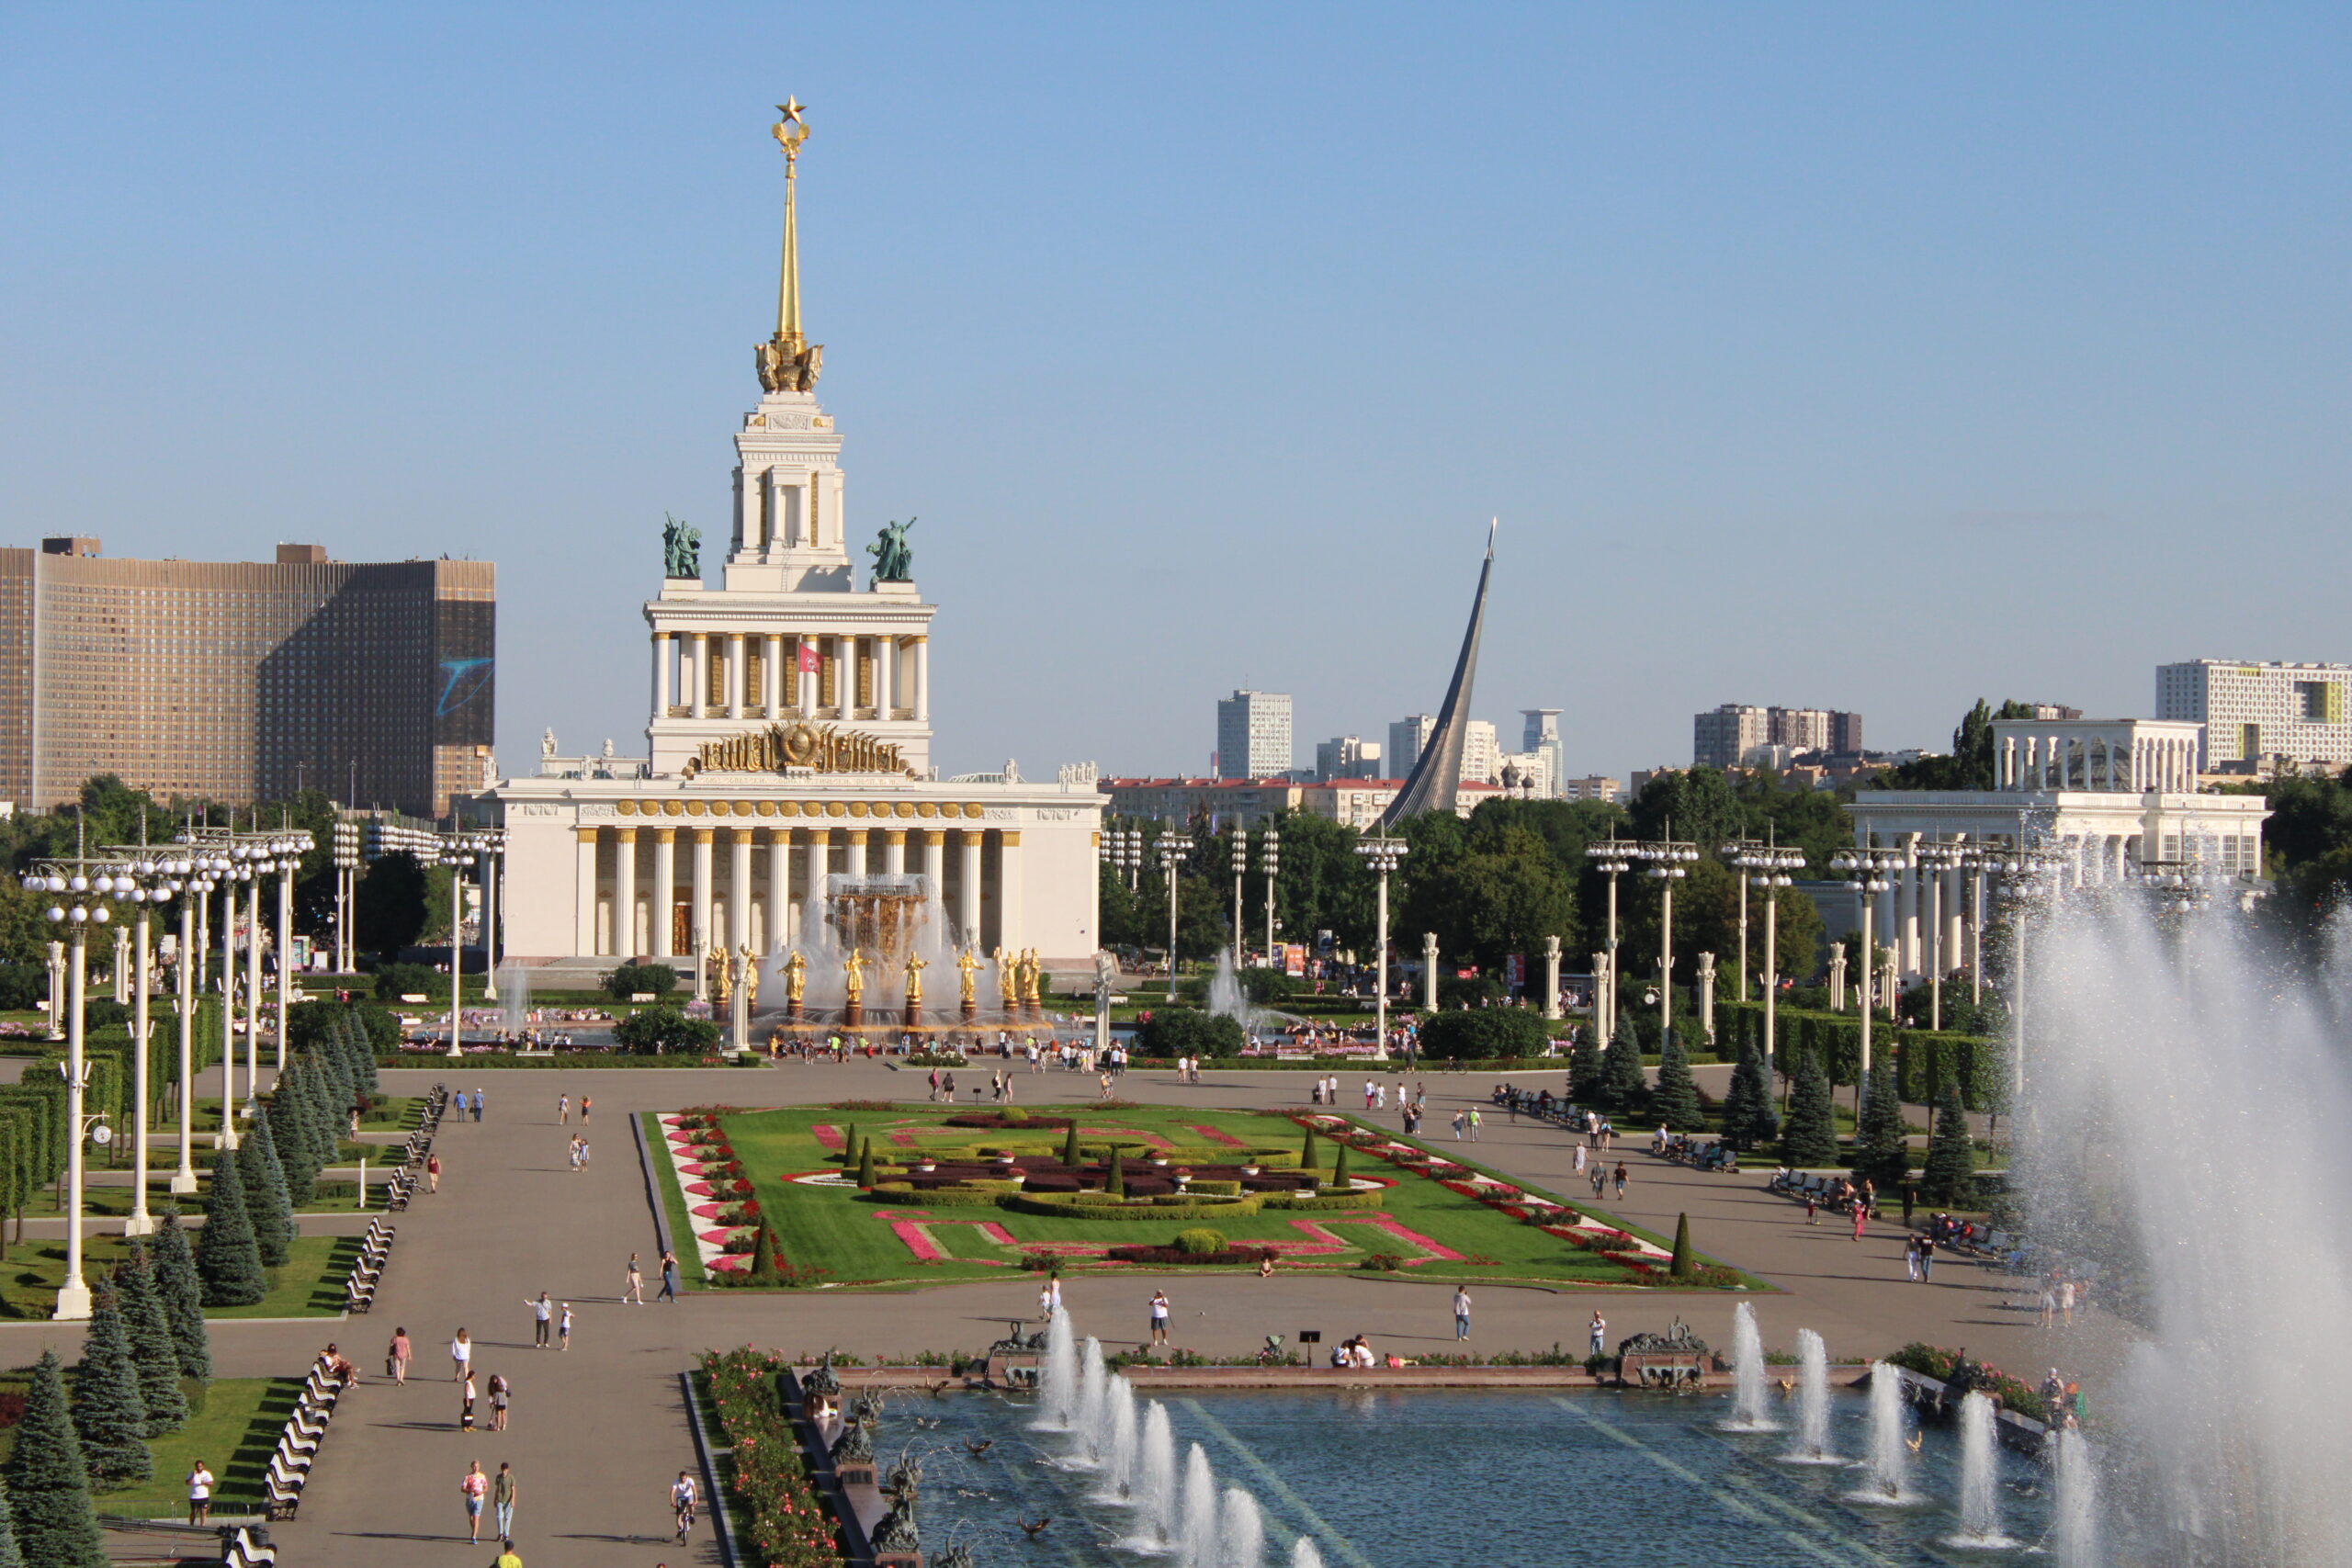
240, 681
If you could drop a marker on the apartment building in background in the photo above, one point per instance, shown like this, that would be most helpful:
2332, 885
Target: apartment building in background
1406, 737
1253, 737
1347, 757
1727, 737
240, 681
2295, 713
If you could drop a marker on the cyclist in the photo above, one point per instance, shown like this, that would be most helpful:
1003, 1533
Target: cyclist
682, 1498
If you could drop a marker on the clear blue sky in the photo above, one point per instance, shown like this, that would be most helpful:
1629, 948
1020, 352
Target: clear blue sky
1863, 357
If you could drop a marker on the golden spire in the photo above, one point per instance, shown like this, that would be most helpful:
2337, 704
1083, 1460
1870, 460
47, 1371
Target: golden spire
788, 362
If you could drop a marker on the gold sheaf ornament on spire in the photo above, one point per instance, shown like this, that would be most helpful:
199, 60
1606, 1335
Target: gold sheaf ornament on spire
789, 362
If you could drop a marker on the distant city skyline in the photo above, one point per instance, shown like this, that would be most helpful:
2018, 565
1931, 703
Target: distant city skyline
1843, 355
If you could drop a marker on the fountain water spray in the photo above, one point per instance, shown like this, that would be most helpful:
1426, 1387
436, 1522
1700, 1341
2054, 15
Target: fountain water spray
1196, 1547
1119, 1464
1890, 1455
1980, 1508
1749, 1413
1057, 1379
1242, 1542
2074, 1532
1813, 1401
1304, 1553
1092, 1417
1155, 1493
515, 999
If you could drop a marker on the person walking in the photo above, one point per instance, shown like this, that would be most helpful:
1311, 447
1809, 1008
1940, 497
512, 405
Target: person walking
1861, 1216
563, 1109
563, 1328
458, 1103
1461, 1312
542, 1314
199, 1495
396, 1356
1927, 1259
634, 1294
466, 1410
1599, 1332
507, 1556
475, 1486
669, 1277
1158, 1318
461, 1352
433, 1173
1620, 1179
1474, 1123
501, 1498
585, 1103
500, 1391
1911, 1257
478, 1099
1460, 1121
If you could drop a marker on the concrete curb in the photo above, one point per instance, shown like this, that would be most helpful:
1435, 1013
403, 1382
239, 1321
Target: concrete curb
653, 1188
709, 1461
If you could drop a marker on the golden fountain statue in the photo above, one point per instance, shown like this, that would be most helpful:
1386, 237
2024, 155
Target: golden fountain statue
1029, 975
723, 977
915, 967
751, 963
1007, 983
796, 978
853, 978
966, 963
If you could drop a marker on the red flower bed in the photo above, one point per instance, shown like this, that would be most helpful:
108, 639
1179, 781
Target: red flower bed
789, 1526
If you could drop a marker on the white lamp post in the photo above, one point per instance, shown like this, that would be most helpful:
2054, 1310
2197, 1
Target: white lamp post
147, 878
1766, 865
1383, 855
1269, 848
1866, 872
1172, 845
1669, 863
1241, 864
1613, 857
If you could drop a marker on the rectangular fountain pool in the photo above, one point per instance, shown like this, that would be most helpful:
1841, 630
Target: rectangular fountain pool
1448, 1479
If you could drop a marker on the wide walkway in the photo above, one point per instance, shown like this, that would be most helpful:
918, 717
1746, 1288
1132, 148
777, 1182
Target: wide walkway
598, 1431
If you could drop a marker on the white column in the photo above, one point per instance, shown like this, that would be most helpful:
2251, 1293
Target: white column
695, 674
662, 654
699, 930
857, 842
735, 674
967, 896
771, 686
886, 675
922, 680
584, 912
739, 890
779, 522
804, 682
934, 872
846, 676
663, 897
625, 893
779, 886
894, 851
1903, 937
1955, 917
1008, 888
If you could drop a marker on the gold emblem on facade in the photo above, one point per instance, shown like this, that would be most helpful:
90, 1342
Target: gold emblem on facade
819, 748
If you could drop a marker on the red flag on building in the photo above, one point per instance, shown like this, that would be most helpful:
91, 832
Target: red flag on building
807, 658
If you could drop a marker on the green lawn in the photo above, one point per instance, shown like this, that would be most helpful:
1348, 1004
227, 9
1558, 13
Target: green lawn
310, 1284
233, 1435
851, 1236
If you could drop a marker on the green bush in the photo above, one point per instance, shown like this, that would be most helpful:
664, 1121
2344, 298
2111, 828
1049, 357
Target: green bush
629, 979
1482, 1032
1189, 1032
394, 981
665, 1030
1200, 1239
1217, 1189
1267, 987
22, 986
1456, 992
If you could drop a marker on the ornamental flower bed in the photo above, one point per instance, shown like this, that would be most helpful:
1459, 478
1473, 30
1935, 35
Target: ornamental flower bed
1935, 1361
789, 1525
1231, 1257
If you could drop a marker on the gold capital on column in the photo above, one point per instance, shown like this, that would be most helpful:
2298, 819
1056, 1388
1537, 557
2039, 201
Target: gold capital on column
663, 835
585, 835
894, 835
1009, 837
935, 837
703, 835
626, 835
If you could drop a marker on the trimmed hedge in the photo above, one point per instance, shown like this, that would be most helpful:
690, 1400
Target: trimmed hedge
1923, 1058
1479, 1034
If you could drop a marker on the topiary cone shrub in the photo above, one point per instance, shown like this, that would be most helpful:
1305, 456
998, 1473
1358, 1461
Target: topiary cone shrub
1683, 1265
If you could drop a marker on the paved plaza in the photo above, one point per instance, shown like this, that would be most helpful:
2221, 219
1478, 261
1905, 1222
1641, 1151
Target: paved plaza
597, 1431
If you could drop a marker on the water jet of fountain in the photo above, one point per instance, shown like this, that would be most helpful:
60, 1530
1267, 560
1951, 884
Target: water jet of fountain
2073, 1531
1980, 1516
1092, 1416
1057, 1379
1154, 1492
1242, 1543
515, 993
1889, 1456
1747, 1408
1812, 1401
1197, 1546
1120, 1463
1304, 1554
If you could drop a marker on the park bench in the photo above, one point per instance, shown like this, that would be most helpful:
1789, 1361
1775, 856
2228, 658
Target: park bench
243, 1549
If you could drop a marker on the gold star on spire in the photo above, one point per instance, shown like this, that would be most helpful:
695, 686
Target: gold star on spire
789, 361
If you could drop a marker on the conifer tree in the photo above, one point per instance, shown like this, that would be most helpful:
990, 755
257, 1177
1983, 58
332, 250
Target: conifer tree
1309, 1157
1810, 1136
849, 1145
1623, 1087
1882, 1154
181, 1291
49, 1488
109, 1415
269, 1208
151, 1350
866, 1165
1115, 1183
1750, 1121
763, 1256
227, 1259
1675, 1100
10, 1556
1950, 1175
363, 1052
1586, 1066
1340, 1168
1070, 1146
1683, 1265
